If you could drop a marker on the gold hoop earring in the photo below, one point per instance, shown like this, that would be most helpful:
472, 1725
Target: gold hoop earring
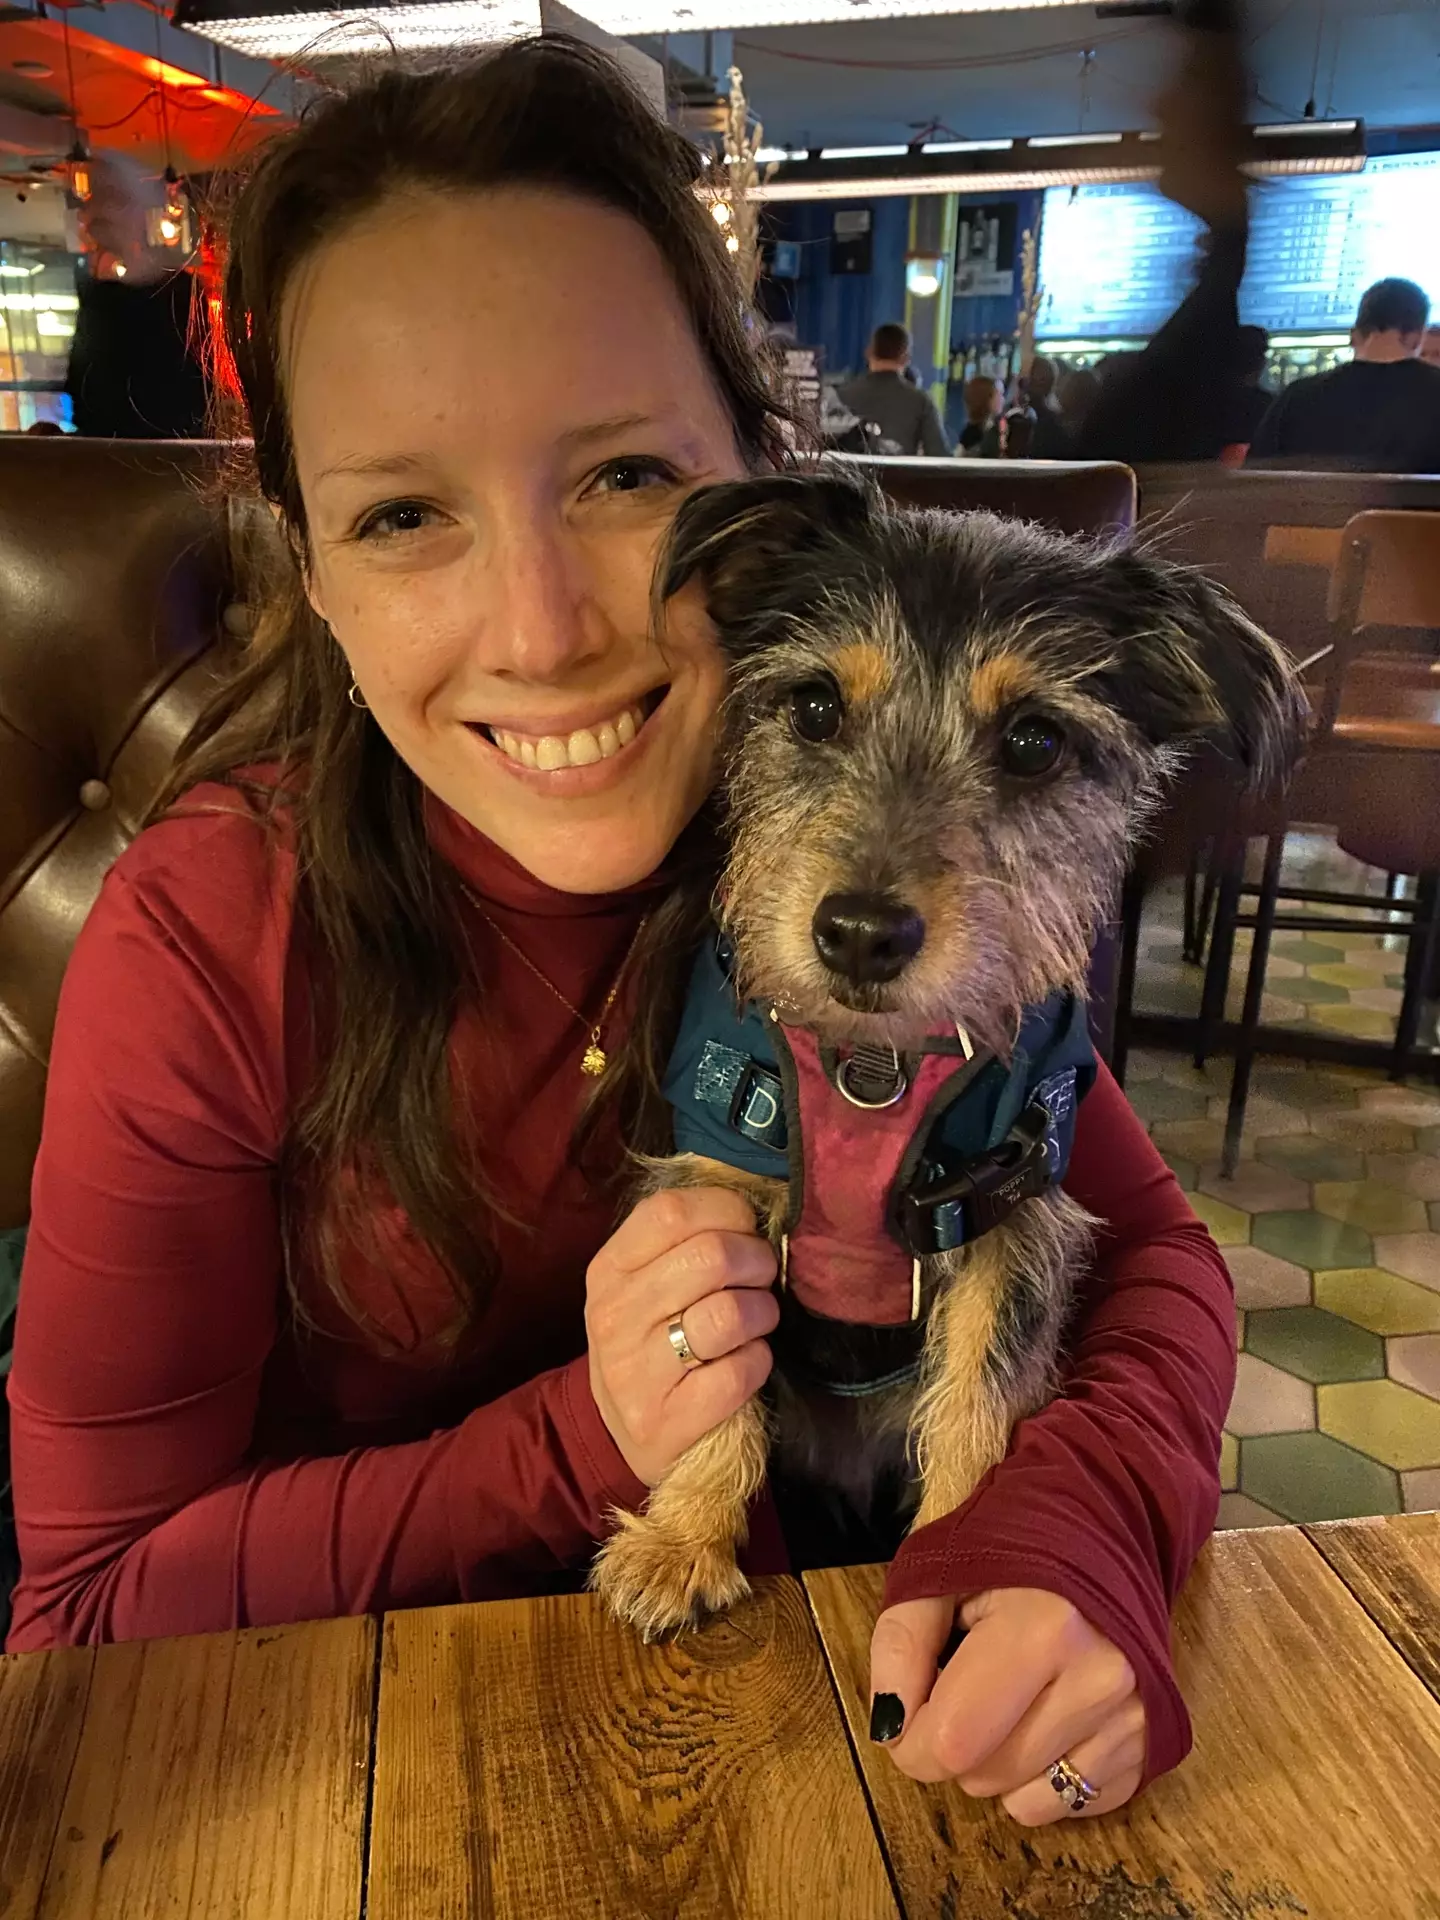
356, 698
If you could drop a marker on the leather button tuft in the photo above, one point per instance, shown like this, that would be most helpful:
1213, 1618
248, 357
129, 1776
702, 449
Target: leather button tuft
95, 795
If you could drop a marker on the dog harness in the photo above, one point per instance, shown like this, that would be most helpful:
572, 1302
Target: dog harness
890, 1158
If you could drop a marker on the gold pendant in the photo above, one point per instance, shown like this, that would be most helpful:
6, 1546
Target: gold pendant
593, 1060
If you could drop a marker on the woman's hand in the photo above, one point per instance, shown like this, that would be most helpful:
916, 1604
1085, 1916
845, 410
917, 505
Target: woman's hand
1032, 1682
690, 1254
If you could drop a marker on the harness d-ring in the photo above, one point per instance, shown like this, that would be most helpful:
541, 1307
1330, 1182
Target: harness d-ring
902, 1087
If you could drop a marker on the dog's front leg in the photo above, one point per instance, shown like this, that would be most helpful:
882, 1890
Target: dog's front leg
672, 1564
991, 1346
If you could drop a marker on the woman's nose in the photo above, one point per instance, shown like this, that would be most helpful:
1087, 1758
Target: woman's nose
543, 609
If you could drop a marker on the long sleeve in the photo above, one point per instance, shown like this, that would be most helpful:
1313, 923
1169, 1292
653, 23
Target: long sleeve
933, 438
1107, 1495
151, 1309
1269, 440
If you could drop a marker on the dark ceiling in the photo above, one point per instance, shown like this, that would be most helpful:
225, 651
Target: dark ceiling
989, 74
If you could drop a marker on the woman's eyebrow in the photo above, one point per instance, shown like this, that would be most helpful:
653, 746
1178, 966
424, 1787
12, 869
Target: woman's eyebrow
374, 464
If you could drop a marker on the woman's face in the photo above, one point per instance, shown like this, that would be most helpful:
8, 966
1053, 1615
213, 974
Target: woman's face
498, 403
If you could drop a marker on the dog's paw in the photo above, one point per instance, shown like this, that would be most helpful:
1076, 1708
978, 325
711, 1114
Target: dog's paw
658, 1583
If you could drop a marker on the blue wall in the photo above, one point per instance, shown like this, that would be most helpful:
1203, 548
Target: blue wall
839, 311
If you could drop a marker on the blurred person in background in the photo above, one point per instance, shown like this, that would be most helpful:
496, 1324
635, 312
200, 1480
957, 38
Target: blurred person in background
1380, 412
1079, 390
136, 363
1430, 347
984, 399
1250, 402
1049, 439
904, 413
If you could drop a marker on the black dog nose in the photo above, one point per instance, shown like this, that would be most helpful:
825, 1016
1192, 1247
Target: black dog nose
866, 936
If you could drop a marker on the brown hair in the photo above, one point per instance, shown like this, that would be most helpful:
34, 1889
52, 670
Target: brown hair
890, 341
380, 911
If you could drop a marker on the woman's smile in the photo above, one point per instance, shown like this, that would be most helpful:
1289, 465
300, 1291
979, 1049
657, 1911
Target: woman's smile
568, 757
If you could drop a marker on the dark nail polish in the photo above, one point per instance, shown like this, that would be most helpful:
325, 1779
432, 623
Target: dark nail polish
887, 1717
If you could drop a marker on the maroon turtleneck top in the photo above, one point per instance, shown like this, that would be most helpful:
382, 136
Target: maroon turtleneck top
187, 1457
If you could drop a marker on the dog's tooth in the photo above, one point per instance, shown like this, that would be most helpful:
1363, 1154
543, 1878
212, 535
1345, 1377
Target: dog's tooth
551, 753
607, 739
583, 747
527, 753
625, 728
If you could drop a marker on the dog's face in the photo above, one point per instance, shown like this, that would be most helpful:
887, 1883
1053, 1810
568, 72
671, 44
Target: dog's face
943, 734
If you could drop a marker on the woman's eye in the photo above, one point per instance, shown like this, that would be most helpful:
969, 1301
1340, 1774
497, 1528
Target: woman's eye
816, 710
634, 474
397, 517
1031, 747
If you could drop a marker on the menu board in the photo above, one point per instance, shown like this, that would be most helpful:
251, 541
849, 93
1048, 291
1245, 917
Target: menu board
1116, 260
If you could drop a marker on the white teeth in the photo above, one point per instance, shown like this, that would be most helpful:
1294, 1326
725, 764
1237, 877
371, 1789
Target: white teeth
583, 748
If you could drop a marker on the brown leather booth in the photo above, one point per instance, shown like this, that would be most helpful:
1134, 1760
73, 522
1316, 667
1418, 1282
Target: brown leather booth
117, 601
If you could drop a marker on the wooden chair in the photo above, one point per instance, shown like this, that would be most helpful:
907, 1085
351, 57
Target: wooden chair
1372, 773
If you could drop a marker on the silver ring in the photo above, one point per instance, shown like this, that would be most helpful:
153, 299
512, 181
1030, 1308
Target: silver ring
1072, 1786
842, 1085
684, 1352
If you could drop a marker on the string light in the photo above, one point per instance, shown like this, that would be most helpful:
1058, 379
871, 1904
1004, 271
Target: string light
720, 212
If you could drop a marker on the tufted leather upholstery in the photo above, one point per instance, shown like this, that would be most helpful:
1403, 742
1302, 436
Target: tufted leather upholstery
115, 583
113, 588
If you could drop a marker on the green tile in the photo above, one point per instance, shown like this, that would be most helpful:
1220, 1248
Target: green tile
1160, 1100
1307, 1090
1315, 992
1309, 1476
1185, 1171
1315, 1345
1310, 1158
1312, 1240
1310, 953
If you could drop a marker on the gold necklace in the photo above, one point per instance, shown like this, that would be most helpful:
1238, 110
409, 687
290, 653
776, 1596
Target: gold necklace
594, 1060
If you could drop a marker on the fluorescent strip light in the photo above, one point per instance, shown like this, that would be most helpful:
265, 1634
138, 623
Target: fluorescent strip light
347, 31
968, 146
891, 188
39, 302
663, 16
863, 153
1305, 126
1075, 140
770, 156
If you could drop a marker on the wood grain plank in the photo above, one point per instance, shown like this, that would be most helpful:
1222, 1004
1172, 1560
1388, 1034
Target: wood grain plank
42, 1711
221, 1778
1393, 1569
533, 1758
1310, 1790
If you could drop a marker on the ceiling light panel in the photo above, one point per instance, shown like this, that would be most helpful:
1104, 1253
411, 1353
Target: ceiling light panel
346, 31
659, 16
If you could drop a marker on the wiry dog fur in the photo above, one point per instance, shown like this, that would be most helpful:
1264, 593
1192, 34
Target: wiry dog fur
940, 632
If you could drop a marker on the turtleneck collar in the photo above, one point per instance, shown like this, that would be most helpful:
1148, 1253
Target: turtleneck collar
499, 879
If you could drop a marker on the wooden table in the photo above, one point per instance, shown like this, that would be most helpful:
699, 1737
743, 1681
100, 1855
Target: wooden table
529, 1758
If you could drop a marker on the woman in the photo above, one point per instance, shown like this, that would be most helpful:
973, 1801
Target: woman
359, 1327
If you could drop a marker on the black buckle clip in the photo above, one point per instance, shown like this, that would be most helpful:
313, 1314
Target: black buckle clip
954, 1212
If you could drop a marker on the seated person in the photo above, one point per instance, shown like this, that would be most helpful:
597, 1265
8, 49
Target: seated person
1380, 412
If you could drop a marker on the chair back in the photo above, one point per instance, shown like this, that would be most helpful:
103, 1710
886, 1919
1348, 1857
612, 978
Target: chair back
1070, 496
114, 583
1388, 571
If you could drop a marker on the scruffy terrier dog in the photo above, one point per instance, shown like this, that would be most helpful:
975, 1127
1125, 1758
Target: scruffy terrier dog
943, 735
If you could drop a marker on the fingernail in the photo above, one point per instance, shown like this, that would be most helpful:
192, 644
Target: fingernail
887, 1717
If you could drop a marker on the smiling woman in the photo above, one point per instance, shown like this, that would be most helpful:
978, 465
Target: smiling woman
357, 1047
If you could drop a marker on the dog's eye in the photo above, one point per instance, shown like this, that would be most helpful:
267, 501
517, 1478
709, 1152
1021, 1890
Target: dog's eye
816, 710
1032, 746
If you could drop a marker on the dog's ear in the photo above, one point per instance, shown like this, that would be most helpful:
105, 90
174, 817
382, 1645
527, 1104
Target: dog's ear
1193, 666
760, 548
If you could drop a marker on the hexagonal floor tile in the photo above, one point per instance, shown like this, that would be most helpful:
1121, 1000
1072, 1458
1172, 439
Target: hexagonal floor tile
1239, 1510
1310, 950
1367, 1132
1229, 1462
1311, 1240
1316, 992
1264, 1118
1417, 1173
1414, 1360
1420, 1490
1185, 1171
1309, 1157
1255, 1188
1229, 1226
1263, 1281
1213, 1077
1411, 1106
1389, 1422
1315, 1345
1144, 1063
1162, 1100
1301, 1087
1383, 1302
1376, 1208
1361, 1023
1415, 1256
1355, 978
1427, 1139
1434, 1211
1268, 1401
1195, 1139
1384, 1000
1311, 1476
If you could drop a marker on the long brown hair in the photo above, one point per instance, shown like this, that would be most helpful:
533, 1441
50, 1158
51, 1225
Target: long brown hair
380, 911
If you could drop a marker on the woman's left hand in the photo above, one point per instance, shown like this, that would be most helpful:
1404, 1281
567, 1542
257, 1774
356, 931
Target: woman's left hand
1032, 1682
